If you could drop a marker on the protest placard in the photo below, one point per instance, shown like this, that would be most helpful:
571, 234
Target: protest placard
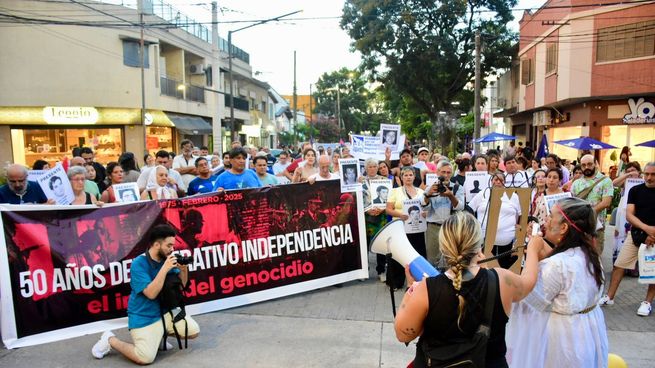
379, 192
390, 135
553, 198
475, 182
55, 185
349, 172
416, 223
126, 192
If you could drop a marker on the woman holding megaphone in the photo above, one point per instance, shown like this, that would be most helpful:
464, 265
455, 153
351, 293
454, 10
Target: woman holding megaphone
452, 311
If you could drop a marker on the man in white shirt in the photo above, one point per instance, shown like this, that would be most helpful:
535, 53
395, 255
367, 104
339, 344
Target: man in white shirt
185, 164
514, 178
281, 164
323, 171
174, 178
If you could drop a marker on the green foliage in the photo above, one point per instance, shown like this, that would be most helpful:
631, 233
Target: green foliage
345, 90
423, 53
286, 138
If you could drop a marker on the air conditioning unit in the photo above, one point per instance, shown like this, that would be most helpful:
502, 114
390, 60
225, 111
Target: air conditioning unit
197, 69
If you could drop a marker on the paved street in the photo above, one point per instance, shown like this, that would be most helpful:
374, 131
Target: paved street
332, 327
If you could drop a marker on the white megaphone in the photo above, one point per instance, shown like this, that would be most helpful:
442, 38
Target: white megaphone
392, 239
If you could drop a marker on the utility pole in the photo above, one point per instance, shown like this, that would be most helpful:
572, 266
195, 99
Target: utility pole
311, 134
142, 48
476, 108
295, 100
217, 137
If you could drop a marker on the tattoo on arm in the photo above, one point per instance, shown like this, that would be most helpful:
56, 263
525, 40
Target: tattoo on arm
409, 331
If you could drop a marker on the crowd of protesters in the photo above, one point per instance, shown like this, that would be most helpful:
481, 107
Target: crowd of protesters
575, 229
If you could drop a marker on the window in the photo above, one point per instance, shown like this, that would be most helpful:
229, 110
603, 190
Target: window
626, 41
527, 71
551, 58
132, 56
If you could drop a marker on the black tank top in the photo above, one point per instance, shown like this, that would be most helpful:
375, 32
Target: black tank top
441, 321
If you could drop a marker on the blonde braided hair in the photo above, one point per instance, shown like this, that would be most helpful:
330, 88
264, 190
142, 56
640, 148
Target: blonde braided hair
460, 240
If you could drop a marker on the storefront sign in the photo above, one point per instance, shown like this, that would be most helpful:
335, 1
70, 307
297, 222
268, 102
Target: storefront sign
641, 112
70, 115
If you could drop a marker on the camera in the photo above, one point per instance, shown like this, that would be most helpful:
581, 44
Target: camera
182, 260
442, 184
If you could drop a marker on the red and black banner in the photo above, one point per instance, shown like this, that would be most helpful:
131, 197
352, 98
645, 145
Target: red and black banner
66, 269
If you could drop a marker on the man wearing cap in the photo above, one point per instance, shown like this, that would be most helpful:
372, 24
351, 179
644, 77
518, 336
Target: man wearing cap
312, 217
423, 163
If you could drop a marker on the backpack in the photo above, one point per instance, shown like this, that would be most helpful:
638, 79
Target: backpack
171, 297
464, 352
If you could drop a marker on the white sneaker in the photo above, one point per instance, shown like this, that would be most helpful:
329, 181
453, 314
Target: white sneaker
383, 277
605, 300
644, 309
102, 347
169, 346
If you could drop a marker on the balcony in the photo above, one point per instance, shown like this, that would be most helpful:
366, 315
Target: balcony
239, 103
171, 87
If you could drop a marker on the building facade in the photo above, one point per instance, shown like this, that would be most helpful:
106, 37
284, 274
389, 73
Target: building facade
586, 69
78, 83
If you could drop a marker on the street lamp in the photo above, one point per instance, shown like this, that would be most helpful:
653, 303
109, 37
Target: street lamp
229, 53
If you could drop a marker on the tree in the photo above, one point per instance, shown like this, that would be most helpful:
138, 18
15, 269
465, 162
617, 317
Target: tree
352, 95
423, 51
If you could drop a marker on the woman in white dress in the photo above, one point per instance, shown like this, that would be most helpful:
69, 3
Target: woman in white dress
559, 324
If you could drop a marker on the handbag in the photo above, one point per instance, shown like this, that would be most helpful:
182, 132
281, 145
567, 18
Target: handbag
465, 352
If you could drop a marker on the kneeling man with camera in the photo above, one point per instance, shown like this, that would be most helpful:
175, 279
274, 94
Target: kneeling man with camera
146, 318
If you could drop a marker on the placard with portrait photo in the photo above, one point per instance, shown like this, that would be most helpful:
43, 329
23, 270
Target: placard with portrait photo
379, 192
416, 223
390, 134
126, 192
55, 185
349, 172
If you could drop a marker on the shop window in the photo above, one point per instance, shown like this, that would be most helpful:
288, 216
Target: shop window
551, 58
132, 54
626, 41
52, 145
159, 138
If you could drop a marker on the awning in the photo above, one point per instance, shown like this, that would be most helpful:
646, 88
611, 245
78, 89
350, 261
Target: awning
190, 125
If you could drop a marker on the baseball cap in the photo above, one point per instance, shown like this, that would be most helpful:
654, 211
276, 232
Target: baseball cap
422, 149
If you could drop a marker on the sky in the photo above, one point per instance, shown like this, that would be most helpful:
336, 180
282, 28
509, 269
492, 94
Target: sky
321, 45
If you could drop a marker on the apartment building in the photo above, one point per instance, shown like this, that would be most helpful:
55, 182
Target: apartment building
71, 76
586, 69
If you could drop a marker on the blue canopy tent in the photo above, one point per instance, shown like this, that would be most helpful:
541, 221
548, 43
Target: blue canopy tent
650, 144
493, 137
585, 143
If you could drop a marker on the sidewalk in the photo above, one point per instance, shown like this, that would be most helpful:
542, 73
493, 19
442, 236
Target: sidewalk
349, 326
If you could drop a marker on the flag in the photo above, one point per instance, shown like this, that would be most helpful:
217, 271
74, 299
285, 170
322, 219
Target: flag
543, 148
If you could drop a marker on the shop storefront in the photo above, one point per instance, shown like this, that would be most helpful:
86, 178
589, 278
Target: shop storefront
50, 133
624, 122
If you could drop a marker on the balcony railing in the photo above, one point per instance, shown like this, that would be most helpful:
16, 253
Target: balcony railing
171, 87
239, 103
195, 93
